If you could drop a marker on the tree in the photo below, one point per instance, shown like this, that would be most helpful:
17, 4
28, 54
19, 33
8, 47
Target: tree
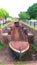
33, 11
24, 15
3, 13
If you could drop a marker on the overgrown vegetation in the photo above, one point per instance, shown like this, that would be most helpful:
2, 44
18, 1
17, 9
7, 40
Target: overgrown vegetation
24, 15
31, 13
3, 13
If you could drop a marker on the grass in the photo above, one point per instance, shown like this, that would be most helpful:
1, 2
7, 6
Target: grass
19, 63
25, 23
35, 47
2, 26
2, 64
1, 45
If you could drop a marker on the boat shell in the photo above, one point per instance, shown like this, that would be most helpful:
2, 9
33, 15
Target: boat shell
15, 45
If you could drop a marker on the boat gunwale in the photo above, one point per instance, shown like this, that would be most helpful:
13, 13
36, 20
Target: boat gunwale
18, 50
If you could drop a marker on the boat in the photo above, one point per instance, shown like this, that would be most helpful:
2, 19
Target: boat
18, 45
17, 38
